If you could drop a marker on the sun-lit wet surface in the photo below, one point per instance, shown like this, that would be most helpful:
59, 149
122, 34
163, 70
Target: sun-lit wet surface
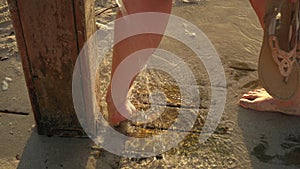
216, 152
227, 147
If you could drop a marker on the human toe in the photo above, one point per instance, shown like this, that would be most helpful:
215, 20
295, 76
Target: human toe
244, 102
249, 96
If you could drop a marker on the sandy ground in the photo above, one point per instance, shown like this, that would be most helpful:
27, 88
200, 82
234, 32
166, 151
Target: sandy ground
243, 139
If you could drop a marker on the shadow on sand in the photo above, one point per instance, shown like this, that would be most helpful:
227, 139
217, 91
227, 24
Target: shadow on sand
272, 139
56, 152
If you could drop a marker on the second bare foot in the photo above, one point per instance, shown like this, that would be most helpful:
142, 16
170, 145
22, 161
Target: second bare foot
260, 100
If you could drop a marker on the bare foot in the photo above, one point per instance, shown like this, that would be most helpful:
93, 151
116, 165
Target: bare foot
260, 100
114, 116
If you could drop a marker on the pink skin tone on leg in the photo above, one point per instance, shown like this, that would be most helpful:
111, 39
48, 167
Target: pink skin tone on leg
132, 44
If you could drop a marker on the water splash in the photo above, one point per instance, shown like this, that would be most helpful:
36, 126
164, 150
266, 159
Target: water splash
122, 7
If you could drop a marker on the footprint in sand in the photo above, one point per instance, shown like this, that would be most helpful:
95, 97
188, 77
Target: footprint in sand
289, 151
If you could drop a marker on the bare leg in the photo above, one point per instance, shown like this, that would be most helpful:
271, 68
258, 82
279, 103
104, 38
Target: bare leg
131, 45
259, 7
260, 99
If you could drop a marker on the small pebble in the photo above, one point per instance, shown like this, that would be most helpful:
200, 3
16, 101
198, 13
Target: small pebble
193, 34
3, 58
159, 157
17, 157
11, 33
191, 1
4, 85
8, 79
11, 133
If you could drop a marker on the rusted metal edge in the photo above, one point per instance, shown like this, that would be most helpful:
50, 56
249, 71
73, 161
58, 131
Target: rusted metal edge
84, 12
17, 23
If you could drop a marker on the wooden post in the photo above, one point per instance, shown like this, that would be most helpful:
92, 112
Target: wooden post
50, 35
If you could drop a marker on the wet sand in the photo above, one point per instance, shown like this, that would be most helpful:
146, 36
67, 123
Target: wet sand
243, 138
